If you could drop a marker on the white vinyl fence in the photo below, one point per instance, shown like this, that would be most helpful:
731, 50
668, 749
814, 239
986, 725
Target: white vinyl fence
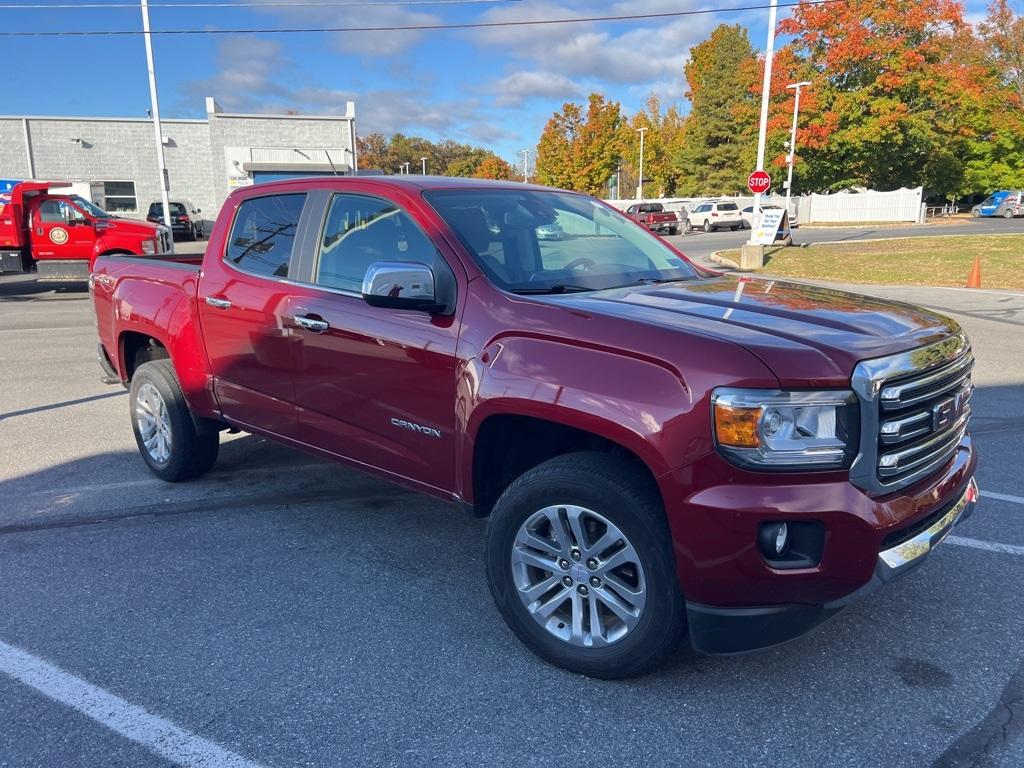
898, 205
867, 205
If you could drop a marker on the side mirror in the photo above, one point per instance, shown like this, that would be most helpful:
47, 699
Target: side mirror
400, 285
199, 210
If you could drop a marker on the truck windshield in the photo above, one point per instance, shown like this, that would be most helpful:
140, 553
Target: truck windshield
537, 241
90, 208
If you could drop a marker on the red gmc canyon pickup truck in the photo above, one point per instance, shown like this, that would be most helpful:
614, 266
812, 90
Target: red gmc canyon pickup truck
659, 448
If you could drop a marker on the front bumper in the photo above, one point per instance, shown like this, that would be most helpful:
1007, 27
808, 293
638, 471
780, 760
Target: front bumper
721, 630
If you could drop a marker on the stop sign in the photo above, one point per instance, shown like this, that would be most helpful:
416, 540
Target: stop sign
759, 181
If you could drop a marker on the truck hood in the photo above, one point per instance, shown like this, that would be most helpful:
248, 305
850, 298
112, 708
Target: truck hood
131, 227
806, 335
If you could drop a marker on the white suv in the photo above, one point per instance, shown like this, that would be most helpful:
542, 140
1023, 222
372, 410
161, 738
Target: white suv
715, 215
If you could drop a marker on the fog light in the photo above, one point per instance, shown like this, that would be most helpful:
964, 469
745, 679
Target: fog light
774, 540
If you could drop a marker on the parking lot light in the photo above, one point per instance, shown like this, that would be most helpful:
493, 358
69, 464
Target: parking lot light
791, 157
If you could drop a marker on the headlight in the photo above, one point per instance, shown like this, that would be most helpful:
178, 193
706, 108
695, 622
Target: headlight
786, 430
148, 247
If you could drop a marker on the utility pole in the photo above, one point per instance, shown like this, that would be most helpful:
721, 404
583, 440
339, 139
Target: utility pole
790, 158
640, 180
766, 83
526, 165
423, 163
164, 180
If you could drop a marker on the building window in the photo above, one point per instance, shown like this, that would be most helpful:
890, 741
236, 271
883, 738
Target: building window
119, 196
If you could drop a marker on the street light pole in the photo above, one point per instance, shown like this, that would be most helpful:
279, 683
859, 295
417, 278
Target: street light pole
640, 181
162, 166
423, 162
769, 54
790, 158
526, 165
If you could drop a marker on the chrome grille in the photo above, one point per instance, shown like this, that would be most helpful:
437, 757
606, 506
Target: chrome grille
914, 413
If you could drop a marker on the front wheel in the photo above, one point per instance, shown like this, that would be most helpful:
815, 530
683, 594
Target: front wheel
580, 564
169, 442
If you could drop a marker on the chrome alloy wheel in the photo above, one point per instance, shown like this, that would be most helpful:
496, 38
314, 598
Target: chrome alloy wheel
578, 575
154, 423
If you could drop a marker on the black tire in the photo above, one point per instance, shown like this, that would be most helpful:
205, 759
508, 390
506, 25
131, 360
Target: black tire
617, 490
191, 452
199, 232
707, 225
673, 230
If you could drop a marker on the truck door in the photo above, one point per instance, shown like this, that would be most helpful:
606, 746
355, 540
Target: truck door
60, 230
242, 298
375, 385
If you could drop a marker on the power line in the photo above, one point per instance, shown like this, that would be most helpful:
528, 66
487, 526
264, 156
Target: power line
418, 27
246, 4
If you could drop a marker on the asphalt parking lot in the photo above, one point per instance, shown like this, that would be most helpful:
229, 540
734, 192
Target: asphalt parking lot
282, 611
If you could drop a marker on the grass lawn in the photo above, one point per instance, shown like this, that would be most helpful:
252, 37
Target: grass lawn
904, 261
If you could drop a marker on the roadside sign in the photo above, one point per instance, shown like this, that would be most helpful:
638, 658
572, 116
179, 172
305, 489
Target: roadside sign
759, 182
774, 225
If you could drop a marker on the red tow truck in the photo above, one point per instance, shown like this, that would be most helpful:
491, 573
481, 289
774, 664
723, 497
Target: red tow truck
657, 447
58, 236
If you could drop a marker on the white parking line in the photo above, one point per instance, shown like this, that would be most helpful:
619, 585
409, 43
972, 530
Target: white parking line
1003, 497
988, 546
133, 722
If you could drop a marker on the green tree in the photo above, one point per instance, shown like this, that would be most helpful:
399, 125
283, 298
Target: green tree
718, 141
898, 94
662, 143
579, 150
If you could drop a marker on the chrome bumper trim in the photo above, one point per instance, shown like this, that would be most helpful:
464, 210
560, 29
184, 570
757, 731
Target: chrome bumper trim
909, 552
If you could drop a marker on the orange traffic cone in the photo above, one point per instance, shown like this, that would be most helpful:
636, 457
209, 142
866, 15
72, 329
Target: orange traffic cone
974, 278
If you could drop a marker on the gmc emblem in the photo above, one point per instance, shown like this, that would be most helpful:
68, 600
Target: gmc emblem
945, 413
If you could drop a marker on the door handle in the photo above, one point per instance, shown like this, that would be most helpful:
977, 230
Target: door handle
219, 303
311, 323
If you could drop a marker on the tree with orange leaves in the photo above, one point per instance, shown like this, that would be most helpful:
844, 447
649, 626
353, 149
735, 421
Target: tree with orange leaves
895, 97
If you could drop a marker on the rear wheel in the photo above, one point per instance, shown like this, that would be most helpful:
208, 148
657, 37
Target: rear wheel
673, 230
1008, 213
580, 564
707, 225
169, 442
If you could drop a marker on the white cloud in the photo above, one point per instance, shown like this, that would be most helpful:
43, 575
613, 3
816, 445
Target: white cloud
255, 75
644, 53
376, 44
520, 87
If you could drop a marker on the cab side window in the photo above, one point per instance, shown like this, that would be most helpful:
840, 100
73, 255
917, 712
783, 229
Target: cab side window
263, 234
361, 230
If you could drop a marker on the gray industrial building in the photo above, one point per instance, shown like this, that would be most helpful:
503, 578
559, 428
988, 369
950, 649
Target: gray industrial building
112, 160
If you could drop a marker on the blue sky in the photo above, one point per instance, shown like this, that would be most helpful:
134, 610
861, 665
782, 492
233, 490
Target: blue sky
495, 87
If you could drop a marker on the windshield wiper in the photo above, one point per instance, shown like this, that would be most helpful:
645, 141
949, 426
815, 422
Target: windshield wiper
557, 288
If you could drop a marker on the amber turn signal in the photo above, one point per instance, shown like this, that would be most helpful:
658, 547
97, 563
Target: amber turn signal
737, 427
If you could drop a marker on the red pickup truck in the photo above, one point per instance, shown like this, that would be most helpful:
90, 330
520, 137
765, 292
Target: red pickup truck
657, 447
58, 236
654, 217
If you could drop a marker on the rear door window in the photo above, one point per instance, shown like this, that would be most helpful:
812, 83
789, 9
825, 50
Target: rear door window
727, 207
263, 234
